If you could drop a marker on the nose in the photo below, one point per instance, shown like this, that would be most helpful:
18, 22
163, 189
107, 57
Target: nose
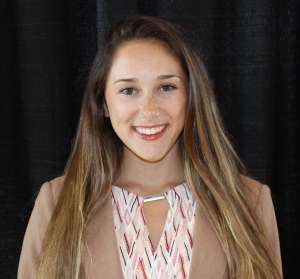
149, 106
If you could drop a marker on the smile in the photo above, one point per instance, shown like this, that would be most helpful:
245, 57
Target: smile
150, 133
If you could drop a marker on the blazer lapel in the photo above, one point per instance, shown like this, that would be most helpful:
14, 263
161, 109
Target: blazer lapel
103, 246
208, 258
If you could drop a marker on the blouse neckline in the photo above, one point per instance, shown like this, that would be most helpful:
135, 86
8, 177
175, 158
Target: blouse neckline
167, 194
130, 222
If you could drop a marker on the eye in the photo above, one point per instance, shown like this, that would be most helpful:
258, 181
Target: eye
127, 91
168, 87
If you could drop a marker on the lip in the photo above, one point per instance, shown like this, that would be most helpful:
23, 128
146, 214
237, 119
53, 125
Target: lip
150, 126
151, 137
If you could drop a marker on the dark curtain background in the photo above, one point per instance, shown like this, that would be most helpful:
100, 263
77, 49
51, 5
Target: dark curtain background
251, 49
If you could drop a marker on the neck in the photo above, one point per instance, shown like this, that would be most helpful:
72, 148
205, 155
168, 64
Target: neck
148, 178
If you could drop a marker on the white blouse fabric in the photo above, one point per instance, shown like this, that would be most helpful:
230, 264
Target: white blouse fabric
174, 250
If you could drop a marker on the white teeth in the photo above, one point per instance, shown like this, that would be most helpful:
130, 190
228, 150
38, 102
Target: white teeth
150, 131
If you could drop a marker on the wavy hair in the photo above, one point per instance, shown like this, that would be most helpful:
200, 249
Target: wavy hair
211, 165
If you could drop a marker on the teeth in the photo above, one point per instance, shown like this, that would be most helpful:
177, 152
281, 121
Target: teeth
150, 131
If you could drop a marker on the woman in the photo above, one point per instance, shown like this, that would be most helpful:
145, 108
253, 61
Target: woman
153, 187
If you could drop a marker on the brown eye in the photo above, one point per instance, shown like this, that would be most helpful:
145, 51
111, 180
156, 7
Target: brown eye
168, 87
127, 91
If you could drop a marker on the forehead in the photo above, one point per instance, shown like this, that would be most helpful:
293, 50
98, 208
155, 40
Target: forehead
144, 57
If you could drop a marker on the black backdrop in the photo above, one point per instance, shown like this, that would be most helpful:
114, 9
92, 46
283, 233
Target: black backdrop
251, 49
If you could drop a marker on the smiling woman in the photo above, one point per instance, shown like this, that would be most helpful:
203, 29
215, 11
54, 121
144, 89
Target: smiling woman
149, 67
153, 188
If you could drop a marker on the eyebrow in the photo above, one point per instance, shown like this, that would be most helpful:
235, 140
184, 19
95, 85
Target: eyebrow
159, 77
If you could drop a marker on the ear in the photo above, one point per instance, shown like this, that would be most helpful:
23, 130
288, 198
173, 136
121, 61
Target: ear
106, 112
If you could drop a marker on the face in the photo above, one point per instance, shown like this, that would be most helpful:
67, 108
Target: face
146, 87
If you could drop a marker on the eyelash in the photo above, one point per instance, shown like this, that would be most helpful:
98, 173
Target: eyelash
165, 85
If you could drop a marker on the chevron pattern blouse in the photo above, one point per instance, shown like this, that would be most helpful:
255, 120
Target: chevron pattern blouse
173, 255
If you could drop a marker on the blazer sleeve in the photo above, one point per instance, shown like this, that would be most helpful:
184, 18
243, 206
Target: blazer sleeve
266, 210
36, 228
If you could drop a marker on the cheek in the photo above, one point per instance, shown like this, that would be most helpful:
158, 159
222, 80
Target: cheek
177, 108
120, 115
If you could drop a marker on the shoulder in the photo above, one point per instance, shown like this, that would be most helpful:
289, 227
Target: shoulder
56, 185
50, 190
260, 198
44, 206
255, 190
46, 199
42, 211
263, 201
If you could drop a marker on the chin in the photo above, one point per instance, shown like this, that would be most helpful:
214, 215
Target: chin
151, 158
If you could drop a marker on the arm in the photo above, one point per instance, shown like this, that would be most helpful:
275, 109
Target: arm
36, 228
266, 210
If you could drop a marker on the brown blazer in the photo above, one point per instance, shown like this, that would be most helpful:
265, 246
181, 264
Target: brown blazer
208, 259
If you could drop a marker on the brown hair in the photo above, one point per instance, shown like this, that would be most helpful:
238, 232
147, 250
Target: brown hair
211, 165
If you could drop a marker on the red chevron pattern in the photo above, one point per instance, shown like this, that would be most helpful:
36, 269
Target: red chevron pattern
174, 251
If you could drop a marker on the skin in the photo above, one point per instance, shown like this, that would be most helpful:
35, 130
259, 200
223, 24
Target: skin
149, 166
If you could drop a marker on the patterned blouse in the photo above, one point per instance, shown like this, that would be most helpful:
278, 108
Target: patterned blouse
138, 257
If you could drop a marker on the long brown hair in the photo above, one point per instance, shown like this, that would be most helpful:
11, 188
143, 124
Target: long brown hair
211, 165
